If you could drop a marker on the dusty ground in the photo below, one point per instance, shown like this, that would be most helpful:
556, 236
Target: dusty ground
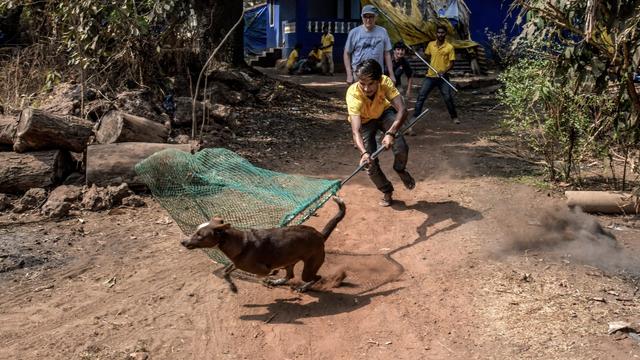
454, 269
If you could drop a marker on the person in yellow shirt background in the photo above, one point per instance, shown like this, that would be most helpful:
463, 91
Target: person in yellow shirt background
327, 41
293, 61
375, 105
442, 57
314, 60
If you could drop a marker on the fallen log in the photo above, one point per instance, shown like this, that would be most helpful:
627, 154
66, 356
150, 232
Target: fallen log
117, 127
113, 164
21, 172
7, 129
605, 202
39, 130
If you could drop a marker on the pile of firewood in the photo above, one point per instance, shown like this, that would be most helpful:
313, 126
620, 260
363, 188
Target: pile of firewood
46, 148
51, 145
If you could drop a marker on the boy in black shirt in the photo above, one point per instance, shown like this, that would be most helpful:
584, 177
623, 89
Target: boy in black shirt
401, 66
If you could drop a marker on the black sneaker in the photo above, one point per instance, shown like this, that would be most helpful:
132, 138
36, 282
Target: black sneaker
387, 199
407, 180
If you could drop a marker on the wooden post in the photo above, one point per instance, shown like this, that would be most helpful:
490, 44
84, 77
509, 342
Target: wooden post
605, 202
21, 172
117, 127
38, 130
111, 164
7, 129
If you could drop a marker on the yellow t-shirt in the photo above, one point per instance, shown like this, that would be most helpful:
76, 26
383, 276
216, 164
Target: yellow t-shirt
359, 104
293, 57
441, 56
316, 53
327, 40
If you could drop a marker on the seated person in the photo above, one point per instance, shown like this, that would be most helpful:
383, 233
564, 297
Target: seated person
293, 61
312, 64
314, 61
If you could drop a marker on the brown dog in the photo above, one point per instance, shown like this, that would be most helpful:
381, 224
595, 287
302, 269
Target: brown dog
259, 251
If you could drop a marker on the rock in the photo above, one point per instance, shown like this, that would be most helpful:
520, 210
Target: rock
95, 199
235, 97
141, 102
56, 210
183, 115
117, 193
139, 355
219, 111
133, 201
5, 202
98, 199
180, 139
60, 201
32, 199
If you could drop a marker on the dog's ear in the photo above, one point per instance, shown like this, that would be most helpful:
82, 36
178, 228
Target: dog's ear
216, 220
222, 227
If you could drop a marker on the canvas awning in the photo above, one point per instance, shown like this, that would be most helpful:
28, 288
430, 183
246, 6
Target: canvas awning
411, 25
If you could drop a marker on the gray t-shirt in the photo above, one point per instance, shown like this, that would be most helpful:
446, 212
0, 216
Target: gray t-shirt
364, 45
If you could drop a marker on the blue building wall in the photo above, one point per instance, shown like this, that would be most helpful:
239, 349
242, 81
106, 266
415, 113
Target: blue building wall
492, 15
302, 21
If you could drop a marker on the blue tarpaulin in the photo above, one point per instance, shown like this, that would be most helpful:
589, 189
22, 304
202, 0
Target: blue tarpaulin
255, 29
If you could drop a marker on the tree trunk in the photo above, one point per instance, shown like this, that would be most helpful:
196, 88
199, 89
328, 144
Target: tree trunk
217, 17
7, 129
21, 172
38, 130
116, 127
605, 202
112, 164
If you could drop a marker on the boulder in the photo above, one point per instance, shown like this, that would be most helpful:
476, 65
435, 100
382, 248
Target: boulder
98, 198
32, 199
61, 200
133, 201
5, 202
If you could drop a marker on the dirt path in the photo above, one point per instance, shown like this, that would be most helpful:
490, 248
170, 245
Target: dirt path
438, 275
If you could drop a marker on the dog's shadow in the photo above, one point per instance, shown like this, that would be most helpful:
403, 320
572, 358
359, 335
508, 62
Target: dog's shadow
292, 311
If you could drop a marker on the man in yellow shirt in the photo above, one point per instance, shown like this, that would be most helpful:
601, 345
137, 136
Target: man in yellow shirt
442, 57
293, 62
314, 60
374, 104
327, 51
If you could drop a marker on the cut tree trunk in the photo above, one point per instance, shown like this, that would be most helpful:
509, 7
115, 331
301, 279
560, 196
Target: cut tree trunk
7, 129
112, 164
117, 127
38, 130
21, 172
605, 202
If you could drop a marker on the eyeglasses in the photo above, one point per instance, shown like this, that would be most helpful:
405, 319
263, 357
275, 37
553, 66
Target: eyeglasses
368, 16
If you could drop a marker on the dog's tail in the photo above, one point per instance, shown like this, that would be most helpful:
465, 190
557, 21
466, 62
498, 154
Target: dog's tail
328, 229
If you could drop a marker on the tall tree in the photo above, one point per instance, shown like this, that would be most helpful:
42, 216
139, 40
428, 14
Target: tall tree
215, 18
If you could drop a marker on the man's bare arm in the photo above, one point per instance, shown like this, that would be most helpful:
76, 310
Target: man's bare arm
346, 58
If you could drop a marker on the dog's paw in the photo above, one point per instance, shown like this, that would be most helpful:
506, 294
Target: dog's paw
233, 288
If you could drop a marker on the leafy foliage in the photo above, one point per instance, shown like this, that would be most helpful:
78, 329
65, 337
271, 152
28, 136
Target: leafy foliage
110, 43
548, 112
576, 89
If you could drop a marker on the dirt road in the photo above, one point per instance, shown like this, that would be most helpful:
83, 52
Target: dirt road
443, 273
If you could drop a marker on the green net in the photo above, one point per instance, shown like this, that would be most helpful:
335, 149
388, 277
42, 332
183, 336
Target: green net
193, 188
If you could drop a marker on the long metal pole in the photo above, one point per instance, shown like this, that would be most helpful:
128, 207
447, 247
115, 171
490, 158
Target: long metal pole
416, 53
382, 148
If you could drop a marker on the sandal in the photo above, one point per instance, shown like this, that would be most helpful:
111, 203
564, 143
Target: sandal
407, 180
386, 200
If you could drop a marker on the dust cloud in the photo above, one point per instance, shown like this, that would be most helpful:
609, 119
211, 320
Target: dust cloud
576, 236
